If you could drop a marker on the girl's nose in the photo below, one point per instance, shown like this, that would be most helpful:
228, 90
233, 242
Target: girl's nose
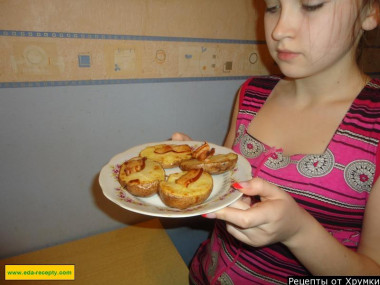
287, 25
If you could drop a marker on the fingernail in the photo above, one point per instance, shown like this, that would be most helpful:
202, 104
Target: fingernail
209, 216
237, 185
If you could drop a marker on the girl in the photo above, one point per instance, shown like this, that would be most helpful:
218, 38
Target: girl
312, 138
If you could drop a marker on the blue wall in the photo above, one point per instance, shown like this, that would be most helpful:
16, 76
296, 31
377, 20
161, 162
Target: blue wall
54, 141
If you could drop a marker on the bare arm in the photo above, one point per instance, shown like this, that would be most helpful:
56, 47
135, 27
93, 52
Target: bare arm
322, 254
278, 218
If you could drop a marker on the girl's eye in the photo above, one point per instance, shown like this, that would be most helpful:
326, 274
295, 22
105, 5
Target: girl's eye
273, 9
312, 8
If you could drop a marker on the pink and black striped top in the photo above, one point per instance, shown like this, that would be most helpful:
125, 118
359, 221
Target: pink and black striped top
333, 187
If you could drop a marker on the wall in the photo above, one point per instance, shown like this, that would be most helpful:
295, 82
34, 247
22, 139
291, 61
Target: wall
62, 120
65, 109
54, 141
69, 41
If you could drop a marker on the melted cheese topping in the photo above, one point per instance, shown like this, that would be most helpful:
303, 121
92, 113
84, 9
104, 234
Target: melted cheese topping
151, 172
199, 187
168, 158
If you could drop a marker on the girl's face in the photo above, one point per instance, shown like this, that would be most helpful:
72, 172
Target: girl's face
306, 37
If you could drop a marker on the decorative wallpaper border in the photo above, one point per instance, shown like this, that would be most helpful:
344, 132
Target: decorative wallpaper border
84, 60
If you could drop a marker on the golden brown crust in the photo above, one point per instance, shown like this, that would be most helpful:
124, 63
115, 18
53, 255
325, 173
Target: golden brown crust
182, 202
214, 165
145, 181
179, 196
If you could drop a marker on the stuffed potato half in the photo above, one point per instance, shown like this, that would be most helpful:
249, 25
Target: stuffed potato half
141, 177
175, 194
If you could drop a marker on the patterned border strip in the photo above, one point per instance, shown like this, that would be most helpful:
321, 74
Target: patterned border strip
113, 81
65, 35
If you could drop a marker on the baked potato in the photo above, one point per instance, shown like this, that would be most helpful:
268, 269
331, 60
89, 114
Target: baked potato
215, 164
186, 189
141, 176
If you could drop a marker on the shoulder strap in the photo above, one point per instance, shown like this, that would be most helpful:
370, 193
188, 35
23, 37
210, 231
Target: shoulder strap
375, 84
264, 82
242, 91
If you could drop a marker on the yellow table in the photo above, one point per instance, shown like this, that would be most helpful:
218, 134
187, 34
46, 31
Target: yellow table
139, 254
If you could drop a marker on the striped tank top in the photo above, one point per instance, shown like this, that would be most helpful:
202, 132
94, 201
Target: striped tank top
333, 187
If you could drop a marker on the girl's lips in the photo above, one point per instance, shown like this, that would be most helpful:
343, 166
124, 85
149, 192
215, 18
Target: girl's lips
286, 55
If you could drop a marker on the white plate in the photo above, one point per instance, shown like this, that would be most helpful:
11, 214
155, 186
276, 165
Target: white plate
221, 196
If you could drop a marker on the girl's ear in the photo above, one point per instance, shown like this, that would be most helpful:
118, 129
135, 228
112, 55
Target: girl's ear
372, 18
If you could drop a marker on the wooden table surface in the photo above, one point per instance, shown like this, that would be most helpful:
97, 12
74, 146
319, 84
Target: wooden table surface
139, 254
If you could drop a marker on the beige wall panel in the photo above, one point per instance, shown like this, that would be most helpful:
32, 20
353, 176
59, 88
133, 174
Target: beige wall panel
196, 18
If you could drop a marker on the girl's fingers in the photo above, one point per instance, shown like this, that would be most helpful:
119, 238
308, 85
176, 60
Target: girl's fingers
247, 217
180, 137
242, 204
238, 234
259, 187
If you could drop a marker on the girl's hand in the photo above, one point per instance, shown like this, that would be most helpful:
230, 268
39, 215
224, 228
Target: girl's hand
180, 137
276, 218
